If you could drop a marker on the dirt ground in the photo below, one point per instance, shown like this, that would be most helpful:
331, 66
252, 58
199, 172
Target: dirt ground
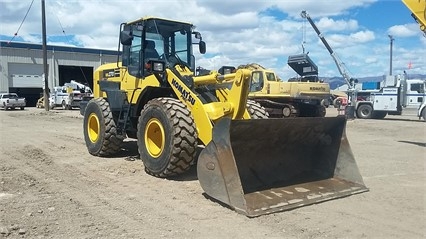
51, 187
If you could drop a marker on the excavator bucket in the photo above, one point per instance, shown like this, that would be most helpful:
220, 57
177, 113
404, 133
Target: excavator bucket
261, 166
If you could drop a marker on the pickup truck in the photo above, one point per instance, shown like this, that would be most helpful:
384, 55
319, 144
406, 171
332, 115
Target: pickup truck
11, 101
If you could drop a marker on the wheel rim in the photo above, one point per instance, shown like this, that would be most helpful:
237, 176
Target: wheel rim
286, 111
154, 137
93, 127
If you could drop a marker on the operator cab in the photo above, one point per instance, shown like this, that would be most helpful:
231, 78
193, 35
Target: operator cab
151, 44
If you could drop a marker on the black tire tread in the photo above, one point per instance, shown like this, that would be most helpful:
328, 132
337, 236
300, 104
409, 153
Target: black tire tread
360, 114
112, 141
184, 138
256, 111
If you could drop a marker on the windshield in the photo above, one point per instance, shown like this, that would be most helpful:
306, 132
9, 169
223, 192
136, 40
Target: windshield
10, 96
172, 40
156, 39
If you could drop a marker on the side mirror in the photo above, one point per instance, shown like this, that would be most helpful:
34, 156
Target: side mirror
126, 38
202, 47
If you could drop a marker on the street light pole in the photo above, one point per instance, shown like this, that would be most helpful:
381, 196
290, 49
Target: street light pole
390, 60
46, 76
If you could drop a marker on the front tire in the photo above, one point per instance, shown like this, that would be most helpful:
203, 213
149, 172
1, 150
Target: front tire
364, 112
167, 137
100, 131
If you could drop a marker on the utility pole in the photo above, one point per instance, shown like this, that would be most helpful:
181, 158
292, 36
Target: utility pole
46, 76
390, 60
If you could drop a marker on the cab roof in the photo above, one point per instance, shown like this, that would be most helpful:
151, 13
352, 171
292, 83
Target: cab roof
157, 18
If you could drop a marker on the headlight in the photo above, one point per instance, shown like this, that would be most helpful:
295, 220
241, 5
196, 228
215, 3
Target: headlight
158, 66
155, 66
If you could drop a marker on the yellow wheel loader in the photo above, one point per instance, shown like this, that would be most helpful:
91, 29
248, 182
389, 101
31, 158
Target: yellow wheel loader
253, 164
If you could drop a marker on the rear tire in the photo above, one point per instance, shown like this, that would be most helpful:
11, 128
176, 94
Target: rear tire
167, 137
256, 111
364, 112
100, 131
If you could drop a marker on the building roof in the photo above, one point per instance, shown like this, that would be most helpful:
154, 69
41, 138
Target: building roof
23, 45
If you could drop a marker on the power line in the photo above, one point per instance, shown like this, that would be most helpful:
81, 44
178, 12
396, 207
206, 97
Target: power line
23, 20
66, 38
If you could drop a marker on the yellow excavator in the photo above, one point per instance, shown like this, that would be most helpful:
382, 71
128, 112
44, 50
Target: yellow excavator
303, 96
253, 164
418, 12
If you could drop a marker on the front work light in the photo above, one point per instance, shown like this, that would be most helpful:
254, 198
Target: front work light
154, 66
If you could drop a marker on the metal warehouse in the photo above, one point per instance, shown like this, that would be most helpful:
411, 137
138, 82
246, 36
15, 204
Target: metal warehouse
21, 67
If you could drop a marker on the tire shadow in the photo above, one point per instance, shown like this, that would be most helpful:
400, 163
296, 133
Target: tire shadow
415, 143
129, 151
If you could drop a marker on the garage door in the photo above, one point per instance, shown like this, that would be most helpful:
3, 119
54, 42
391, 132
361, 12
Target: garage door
25, 75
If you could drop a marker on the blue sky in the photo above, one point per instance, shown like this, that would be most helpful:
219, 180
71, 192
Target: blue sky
240, 32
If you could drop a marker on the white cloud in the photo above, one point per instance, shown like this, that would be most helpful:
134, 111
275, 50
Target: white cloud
236, 32
329, 24
370, 60
362, 36
406, 30
320, 8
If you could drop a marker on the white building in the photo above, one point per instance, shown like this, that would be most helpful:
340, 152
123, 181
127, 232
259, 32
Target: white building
21, 67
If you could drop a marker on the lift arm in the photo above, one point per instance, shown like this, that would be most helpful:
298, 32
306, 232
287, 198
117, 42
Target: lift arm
418, 11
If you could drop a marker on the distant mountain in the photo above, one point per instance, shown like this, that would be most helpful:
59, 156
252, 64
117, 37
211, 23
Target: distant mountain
339, 81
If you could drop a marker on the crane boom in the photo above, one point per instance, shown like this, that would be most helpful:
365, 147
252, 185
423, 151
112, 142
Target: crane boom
340, 65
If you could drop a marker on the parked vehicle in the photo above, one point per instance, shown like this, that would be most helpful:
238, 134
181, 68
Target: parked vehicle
12, 101
395, 94
304, 96
69, 96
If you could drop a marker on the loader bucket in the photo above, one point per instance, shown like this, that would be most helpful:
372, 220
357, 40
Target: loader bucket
261, 166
